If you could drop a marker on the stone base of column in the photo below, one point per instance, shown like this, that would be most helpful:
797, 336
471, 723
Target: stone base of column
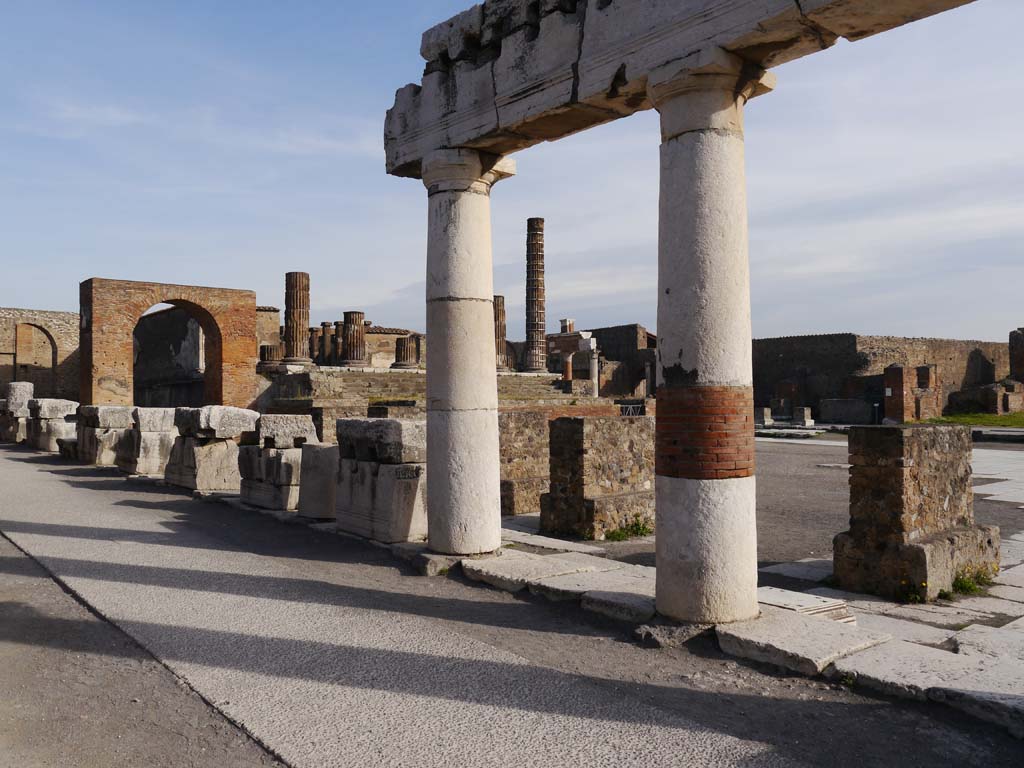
403, 366
707, 549
463, 476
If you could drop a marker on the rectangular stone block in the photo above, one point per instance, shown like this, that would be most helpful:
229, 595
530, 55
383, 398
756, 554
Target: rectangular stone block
18, 395
763, 417
215, 421
383, 502
207, 465
98, 446
285, 430
154, 419
250, 463
107, 416
385, 441
145, 453
43, 434
13, 429
319, 480
264, 495
47, 408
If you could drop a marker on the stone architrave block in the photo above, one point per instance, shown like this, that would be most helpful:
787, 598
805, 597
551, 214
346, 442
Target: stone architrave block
145, 453
47, 408
204, 465
285, 430
282, 466
154, 420
13, 429
18, 395
912, 528
283, 498
215, 421
99, 446
385, 441
383, 502
319, 480
106, 416
43, 434
250, 463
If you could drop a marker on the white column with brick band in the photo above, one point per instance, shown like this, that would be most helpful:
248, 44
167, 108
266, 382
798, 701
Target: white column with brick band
705, 486
463, 480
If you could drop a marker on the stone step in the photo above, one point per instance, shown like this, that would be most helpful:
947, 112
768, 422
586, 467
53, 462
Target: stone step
513, 571
629, 579
804, 644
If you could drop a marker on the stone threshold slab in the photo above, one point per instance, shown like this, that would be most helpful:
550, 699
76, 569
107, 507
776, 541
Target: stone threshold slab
513, 571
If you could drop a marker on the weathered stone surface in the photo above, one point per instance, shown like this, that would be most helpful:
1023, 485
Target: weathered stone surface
900, 629
13, 429
204, 465
18, 395
911, 513
981, 640
1016, 594
385, 441
1013, 577
99, 446
154, 420
146, 453
546, 542
993, 606
285, 431
319, 480
602, 476
43, 434
811, 569
614, 577
47, 408
524, 440
270, 496
512, 571
215, 421
384, 502
106, 416
250, 463
633, 607
803, 644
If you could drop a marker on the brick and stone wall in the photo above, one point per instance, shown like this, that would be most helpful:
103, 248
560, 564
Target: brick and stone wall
168, 360
830, 366
601, 476
912, 394
110, 310
40, 347
912, 524
268, 327
524, 439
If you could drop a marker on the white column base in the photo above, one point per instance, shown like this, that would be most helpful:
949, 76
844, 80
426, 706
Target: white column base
463, 482
707, 549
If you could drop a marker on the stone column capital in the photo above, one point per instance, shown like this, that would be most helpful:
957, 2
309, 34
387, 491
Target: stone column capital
706, 91
460, 170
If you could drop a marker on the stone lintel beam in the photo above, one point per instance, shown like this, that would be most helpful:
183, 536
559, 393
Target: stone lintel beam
508, 74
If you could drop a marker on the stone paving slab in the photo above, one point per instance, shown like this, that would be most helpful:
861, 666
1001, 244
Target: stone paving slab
546, 542
901, 629
804, 644
1016, 594
993, 606
953, 616
624, 606
633, 579
512, 571
980, 640
1011, 577
810, 569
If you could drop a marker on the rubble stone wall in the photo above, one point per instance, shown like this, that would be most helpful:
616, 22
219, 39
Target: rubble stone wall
41, 347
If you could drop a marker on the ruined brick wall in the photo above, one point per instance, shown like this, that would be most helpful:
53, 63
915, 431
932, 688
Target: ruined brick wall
912, 394
523, 455
1017, 354
110, 310
168, 369
601, 475
41, 347
268, 326
833, 365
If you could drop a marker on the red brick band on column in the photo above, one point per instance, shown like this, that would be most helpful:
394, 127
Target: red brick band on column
705, 433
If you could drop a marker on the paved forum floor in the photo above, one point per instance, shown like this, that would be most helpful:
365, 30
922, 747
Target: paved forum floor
331, 654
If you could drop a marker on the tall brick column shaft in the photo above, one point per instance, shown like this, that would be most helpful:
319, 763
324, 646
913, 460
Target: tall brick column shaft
405, 353
354, 346
338, 348
314, 344
464, 490
296, 317
326, 343
705, 486
536, 317
501, 352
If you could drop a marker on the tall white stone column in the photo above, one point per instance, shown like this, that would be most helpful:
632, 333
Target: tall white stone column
463, 485
706, 514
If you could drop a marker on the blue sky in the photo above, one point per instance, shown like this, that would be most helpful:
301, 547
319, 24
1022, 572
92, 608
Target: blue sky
226, 143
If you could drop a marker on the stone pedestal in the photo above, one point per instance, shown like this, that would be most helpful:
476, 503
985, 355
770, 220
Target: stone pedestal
382, 488
146, 449
100, 431
462, 395
763, 417
601, 476
296, 317
205, 457
318, 481
314, 344
14, 416
50, 420
405, 353
912, 524
536, 355
707, 536
354, 342
270, 477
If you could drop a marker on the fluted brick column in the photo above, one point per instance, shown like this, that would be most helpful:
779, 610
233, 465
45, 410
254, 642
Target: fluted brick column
314, 344
338, 347
354, 347
536, 357
500, 346
326, 343
405, 353
464, 489
296, 317
706, 516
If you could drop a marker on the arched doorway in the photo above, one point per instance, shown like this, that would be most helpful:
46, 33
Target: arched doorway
169, 358
35, 358
111, 311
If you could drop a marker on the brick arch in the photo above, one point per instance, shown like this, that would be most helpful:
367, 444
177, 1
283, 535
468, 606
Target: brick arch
110, 310
18, 346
